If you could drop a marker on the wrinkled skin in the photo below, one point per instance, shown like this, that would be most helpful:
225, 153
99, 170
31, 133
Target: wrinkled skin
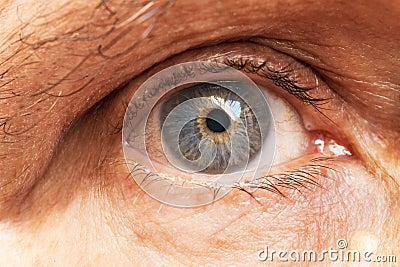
67, 198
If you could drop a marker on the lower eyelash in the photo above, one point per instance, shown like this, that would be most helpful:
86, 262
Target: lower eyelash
298, 179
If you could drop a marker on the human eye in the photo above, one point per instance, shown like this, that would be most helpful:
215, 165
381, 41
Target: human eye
198, 132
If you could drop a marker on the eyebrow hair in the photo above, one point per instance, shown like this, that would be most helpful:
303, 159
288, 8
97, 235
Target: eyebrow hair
79, 51
119, 23
108, 36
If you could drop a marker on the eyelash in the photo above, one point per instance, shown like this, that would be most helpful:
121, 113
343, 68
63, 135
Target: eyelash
284, 77
297, 179
294, 179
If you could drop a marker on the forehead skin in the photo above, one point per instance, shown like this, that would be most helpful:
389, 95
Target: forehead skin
57, 59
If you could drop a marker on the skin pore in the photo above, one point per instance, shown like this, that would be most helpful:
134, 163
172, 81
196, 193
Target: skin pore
68, 67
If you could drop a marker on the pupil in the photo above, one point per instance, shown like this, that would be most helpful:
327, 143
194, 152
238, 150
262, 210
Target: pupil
217, 120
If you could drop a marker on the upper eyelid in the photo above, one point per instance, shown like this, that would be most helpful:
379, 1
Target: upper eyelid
285, 72
285, 77
282, 70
